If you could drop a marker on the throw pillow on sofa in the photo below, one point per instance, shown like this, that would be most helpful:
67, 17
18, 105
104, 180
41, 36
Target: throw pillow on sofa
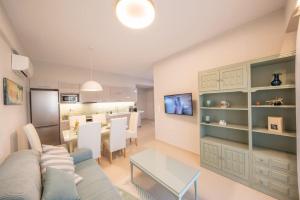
59, 184
58, 158
55, 150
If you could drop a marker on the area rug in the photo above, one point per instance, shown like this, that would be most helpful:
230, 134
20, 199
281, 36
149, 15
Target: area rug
145, 188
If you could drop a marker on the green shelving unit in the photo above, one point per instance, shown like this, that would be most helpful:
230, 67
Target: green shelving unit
245, 150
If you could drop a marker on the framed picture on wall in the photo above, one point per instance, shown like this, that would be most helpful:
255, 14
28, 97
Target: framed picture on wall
12, 92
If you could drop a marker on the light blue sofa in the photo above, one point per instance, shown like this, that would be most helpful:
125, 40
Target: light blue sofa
20, 177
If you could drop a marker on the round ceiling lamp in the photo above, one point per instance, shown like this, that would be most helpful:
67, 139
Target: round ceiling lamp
135, 14
91, 85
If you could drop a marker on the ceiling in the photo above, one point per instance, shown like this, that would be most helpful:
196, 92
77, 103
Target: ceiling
61, 31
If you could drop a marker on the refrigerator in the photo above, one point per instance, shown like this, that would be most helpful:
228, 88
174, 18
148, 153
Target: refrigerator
44, 107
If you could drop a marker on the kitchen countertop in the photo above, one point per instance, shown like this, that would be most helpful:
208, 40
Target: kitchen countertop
109, 115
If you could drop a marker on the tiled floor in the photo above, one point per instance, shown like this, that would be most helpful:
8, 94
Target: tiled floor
211, 185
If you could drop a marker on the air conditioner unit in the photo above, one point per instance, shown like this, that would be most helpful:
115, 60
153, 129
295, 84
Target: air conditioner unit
21, 65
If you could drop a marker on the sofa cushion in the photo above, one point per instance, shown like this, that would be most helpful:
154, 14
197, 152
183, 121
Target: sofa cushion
59, 184
95, 184
82, 154
20, 176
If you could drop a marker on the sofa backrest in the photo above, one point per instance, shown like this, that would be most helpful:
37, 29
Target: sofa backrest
20, 176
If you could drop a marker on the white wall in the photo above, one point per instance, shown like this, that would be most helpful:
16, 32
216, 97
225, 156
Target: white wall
178, 74
145, 102
49, 75
11, 116
150, 104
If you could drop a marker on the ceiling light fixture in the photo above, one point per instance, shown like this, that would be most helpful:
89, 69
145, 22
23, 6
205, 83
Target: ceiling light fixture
91, 85
135, 14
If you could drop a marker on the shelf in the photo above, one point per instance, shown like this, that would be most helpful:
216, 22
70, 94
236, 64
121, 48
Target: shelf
226, 142
223, 91
274, 153
271, 106
291, 86
266, 131
219, 108
230, 126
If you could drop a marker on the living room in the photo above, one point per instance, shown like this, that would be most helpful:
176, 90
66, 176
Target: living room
192, 99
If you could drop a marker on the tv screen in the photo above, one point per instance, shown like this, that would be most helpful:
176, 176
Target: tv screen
180, 104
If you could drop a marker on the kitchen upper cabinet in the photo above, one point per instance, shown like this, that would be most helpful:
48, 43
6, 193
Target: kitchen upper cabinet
123, 94
109, 93
233, 77
42, 84
105, 94
69, 87
209, 81
90, 97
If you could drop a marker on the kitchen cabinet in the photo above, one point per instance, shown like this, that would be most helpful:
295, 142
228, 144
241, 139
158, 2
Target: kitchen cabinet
123, 94
109, 93
42, 84
90, 97
65, 87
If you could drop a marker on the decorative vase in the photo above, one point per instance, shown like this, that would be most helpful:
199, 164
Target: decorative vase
276, 81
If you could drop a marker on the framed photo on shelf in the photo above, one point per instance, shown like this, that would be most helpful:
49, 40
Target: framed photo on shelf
275, 124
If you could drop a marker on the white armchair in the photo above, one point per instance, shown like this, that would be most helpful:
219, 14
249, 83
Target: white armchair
117, 138
131, 133
81, 119
89, 136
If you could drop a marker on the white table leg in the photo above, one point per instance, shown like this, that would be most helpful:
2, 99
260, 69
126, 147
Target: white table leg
131, 171
196, 189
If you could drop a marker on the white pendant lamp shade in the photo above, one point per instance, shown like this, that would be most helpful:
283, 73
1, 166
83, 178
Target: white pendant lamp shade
135, 14
91, 86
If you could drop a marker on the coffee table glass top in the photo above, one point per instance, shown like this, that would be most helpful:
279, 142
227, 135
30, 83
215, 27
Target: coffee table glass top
173, 174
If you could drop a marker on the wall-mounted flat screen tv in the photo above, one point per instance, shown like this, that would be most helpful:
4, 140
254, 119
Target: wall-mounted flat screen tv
179, 104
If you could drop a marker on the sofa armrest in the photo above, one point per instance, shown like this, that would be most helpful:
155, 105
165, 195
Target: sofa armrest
81, 155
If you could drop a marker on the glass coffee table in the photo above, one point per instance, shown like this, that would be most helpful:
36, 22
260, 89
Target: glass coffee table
172, 174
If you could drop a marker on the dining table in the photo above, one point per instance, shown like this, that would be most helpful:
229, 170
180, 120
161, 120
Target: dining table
70, 136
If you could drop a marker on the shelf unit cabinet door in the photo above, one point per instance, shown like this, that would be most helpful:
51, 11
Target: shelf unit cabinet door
235, 162
211, 154
233, 78
209, 81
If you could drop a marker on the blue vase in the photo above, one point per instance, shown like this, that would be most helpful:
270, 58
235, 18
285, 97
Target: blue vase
276, 81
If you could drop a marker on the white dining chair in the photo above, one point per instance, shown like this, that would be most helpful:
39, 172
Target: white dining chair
131, 133
33, 137
81, 119
89, 136
117, 137
99, 118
